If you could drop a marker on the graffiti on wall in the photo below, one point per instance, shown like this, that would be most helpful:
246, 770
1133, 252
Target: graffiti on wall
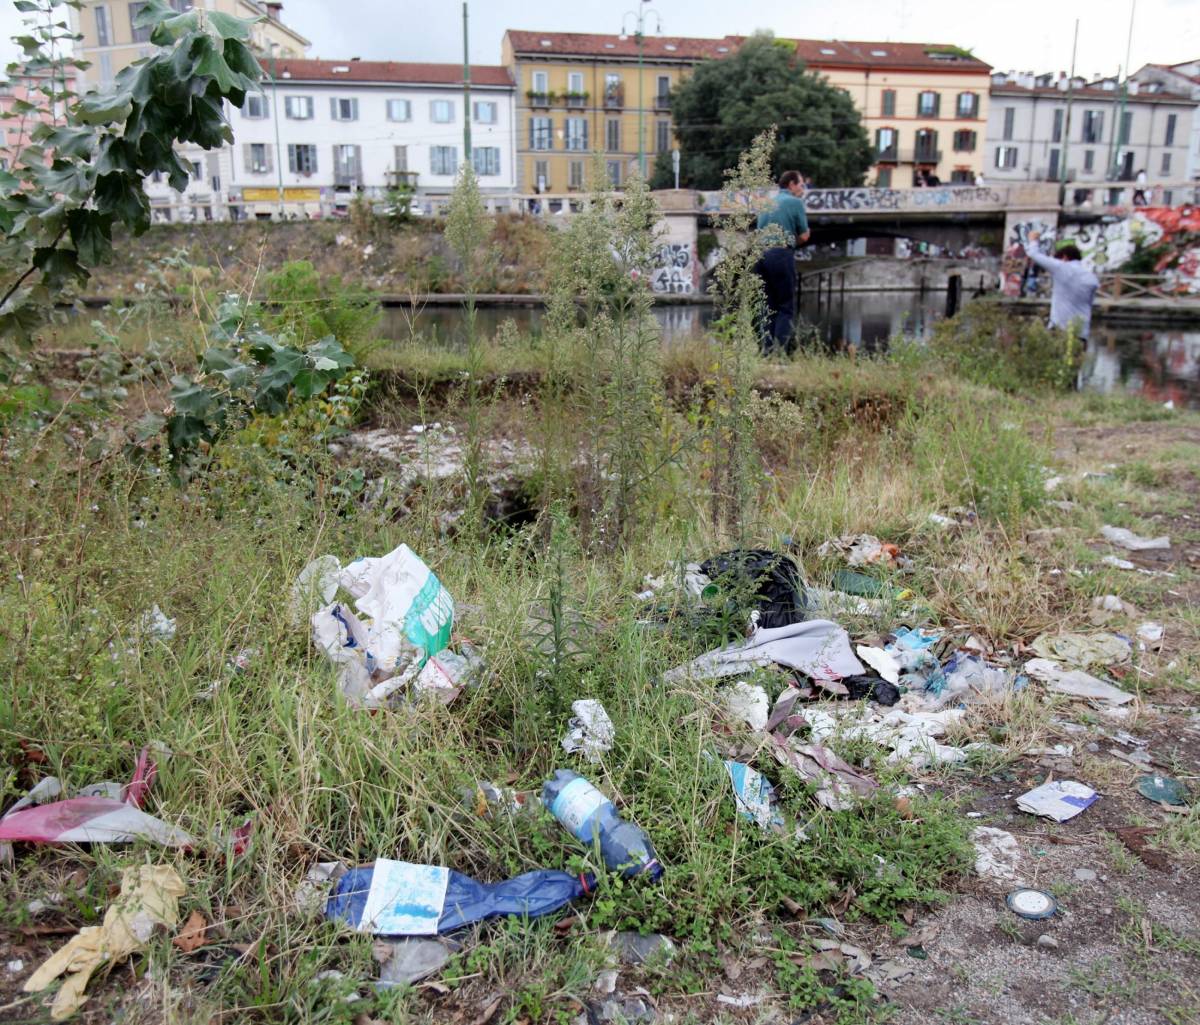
674, 269
1018, 276
1108, 245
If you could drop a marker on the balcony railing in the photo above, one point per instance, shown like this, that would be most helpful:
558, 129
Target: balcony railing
662, 102
537, 99
614, 97
888, 155
927, 156
576, 100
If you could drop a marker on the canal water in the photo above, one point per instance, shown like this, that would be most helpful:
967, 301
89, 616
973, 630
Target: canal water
1159, 363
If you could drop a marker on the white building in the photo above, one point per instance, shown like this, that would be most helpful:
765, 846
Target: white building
1183, 79
1028, 138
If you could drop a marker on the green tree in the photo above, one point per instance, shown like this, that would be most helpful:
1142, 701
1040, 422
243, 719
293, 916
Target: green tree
724, 104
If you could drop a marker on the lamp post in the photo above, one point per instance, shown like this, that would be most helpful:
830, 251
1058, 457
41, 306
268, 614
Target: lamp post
1115, 163
640, 17
467, 157
275, 114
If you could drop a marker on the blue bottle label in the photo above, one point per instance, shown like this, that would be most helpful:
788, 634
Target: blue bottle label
576, 805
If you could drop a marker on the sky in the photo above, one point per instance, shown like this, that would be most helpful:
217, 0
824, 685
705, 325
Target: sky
1021, 35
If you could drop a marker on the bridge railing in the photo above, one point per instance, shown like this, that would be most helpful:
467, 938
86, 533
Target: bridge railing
1083, 197
913, 201
1144, 286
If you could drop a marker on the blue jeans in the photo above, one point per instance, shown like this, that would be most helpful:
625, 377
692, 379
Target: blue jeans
777, 268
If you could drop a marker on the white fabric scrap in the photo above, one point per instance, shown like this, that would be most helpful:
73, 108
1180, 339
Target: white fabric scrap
818, 648
882, 662
590, 730
1133, 542
749, 703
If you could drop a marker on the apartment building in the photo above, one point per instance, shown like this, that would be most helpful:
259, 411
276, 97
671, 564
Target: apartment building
325, 131
1183, 80
111, 41
578, 94
924, 105
1029, 139
16, 129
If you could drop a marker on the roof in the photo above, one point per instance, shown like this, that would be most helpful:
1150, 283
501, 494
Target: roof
814, 52
261, 8
393, 72
592, 44
1091, 93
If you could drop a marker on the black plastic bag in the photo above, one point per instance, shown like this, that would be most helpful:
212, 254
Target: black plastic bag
770, 577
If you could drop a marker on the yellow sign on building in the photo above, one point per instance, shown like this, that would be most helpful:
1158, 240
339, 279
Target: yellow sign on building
290, 195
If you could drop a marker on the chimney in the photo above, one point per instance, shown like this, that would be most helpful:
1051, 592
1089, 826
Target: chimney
274, 10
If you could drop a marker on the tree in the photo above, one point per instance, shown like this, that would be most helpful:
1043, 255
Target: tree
80, 177
724, 104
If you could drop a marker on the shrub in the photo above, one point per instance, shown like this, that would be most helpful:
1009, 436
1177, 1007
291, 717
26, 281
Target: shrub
299, 303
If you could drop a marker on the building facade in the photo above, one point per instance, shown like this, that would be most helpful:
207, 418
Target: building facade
580, 94
1029, 138
16, 129
110, 40
1184, 80
323, 132
924, 105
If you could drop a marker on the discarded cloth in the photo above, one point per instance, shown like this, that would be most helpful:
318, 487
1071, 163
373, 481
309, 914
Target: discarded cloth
422, 900
910, 736
755, 796
1133, 542
837, 781
590, 731
770, 577
1076, 682
1078, 649
748, 703
861, 550
818, 648
1060, 800
149, 899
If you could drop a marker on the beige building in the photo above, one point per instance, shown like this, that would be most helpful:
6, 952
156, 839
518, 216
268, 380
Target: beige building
111, 42
925, 106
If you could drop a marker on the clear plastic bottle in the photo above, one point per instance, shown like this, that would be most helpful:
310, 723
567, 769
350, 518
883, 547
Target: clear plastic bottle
588, 815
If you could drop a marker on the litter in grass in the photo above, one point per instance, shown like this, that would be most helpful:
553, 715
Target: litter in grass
755, 796
771, 578
1130, 541
1079, 649
1151, 635
819, 649
409, 960
591, 818
1162, 790
861, 550
747, 703
997, 854
1076, 682
1060, 800
590, 731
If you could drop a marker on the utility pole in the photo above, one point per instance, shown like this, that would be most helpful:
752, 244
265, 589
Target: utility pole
1124, 87
640, 17
467, 157
275, 104
1062, 171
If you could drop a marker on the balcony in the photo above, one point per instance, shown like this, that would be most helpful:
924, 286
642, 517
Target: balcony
662, 102
576, 101
614, 97
537, 99
888, 155
927, 156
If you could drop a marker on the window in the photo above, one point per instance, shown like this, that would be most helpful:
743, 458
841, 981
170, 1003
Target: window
1010, 117
106, 71
612, 135
485, 112
541, 82
575, 82
103, 27
255, 107
343, 109
1006, 157
964, 141
885, 144
928, 104
613, 94
1056, 133
1089, 160
613, 167
883, 178
399, 110
441, 112
1053, 169
889, 103
575, 175
138, 35
961, 176
968, 105
1093, 126
302, 159
1169, 138
298, 108
541, 175
400, 158
257, 156
662, 99
486, 160
662, 136
198, 168
347, 165
443, 159
1126, 127
1166, 163
577, 133
927, 151
541, 133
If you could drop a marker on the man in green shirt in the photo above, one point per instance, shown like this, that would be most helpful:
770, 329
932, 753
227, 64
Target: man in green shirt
788, 218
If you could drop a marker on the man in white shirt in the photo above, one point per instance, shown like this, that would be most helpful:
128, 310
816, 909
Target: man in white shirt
1075, 286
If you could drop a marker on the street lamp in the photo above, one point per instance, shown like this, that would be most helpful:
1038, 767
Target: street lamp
275, 103
640, 17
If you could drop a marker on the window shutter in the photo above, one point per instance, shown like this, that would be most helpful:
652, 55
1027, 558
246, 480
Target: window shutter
268, 159
312, 159
532, 132
247, 157
937, 104
354, 110
333, 107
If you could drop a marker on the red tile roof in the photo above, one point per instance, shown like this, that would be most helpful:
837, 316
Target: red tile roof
1091, 93
811, 51
388, 72
591, 44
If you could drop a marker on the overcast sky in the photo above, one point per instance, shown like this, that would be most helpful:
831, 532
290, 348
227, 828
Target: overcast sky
1009, 34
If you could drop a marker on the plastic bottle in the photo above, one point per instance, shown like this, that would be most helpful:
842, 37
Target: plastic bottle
588, 815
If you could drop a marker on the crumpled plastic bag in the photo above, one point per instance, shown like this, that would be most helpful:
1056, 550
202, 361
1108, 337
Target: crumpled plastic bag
149, 899
861, 550
589, 731
1083, 650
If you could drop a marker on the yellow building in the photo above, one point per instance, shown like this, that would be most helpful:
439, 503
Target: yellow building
110, 41
580, 94
924, 105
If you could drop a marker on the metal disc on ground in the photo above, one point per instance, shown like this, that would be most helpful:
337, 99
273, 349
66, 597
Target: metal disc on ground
1031, 904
